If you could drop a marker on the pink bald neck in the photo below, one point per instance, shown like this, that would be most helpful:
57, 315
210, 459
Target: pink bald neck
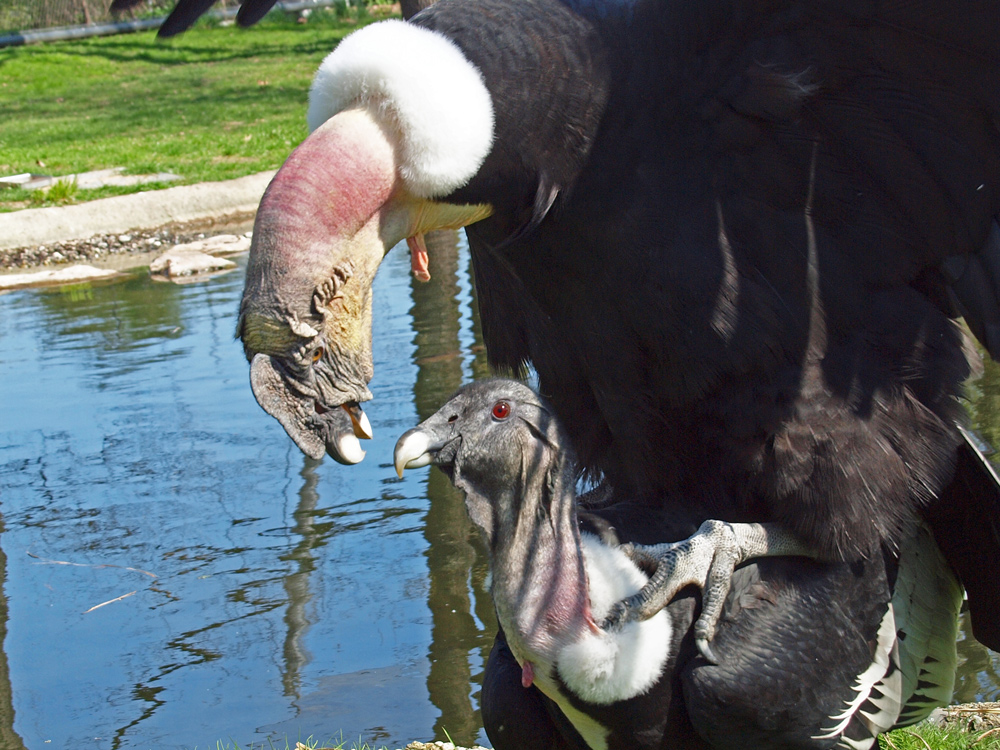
329, 188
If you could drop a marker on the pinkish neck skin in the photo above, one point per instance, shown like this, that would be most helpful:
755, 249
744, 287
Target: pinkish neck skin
330, 187
527, 674
540, 587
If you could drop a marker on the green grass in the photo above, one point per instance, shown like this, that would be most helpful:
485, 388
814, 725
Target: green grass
212, 104
924, 736
309, 742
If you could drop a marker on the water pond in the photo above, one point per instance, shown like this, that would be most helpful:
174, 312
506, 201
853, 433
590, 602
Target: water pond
175, 572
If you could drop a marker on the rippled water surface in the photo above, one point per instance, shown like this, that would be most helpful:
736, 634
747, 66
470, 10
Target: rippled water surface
176, 572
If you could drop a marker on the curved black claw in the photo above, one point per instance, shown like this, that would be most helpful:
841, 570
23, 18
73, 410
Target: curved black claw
706, 559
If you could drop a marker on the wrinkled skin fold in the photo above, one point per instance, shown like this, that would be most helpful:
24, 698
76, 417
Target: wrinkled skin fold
315, 430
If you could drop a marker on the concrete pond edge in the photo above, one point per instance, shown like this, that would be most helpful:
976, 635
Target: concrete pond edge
146, 210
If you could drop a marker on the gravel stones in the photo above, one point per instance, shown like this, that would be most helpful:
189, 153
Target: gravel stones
94, 248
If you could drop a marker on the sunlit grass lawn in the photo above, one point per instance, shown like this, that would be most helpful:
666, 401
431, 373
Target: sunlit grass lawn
212, 104
923, 737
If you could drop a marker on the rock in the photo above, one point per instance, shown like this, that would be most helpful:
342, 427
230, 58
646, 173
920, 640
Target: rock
199, 256
88, 249
68, 275
173, 264
220, 244
968, 717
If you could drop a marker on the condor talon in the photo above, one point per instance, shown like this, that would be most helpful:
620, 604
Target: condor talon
706, 559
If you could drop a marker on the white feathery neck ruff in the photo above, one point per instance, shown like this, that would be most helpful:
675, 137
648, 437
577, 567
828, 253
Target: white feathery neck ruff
418, 85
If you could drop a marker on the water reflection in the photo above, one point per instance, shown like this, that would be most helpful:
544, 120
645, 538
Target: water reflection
292, 597
297, 622
128, 437
9, 738
459, 642
978, 678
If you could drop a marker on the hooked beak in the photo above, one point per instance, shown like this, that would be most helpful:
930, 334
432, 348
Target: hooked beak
413, 450
359, 420
430, 442
434, 441
315, 429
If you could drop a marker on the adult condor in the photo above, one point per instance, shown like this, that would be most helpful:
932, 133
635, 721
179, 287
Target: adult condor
733, 238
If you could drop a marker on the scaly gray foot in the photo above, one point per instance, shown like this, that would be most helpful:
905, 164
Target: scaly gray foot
706, 559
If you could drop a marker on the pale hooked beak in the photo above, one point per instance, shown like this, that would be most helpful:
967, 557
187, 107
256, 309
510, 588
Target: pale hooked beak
412, 451
348, 449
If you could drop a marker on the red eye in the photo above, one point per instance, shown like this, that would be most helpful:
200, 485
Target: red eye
501, 410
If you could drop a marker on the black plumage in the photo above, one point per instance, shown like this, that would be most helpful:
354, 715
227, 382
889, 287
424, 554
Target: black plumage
812, 654
186, 12
731, 237
747, 270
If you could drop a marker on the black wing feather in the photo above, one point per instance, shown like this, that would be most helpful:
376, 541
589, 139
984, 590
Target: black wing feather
252, 11
966, 524
183, 16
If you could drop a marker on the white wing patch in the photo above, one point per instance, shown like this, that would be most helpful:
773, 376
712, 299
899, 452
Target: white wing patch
913, 671
928, 600
877, 702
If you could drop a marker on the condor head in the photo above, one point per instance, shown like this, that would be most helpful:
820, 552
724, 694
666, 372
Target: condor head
385, 146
